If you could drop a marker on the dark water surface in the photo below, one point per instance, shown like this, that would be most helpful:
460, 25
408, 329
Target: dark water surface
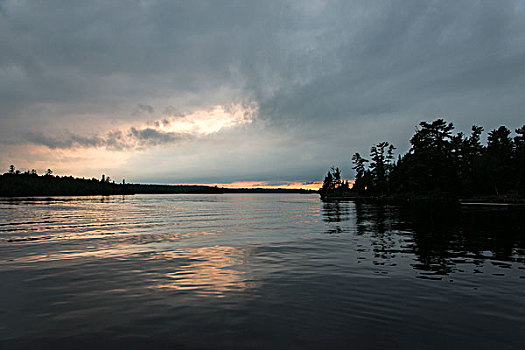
259, 271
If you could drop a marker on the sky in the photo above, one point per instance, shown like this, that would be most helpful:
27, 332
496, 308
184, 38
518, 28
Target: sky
269, 93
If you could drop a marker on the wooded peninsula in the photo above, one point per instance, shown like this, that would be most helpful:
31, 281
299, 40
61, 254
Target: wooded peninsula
439, 165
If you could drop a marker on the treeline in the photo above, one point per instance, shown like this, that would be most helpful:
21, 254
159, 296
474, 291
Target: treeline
15, 183
439, 164
20, 184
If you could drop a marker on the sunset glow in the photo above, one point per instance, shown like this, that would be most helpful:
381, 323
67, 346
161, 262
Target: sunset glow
314, 185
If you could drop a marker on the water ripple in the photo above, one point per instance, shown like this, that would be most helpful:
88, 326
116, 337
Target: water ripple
252, 270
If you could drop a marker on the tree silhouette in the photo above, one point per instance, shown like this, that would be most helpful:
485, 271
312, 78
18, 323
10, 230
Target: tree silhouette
332, 182
519, 159
328, 183
381, 165
30, 184
360, 169
431, 167
441, 164
497, 160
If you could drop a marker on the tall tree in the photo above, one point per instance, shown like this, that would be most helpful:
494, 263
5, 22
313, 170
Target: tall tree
328, 183
469, 165
519, 159
360, 169
497, 162
432, 165
380, 166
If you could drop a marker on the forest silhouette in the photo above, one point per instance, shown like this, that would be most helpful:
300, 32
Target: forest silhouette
439, 165
15, 183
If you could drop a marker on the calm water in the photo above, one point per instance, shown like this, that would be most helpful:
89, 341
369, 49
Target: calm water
258, 271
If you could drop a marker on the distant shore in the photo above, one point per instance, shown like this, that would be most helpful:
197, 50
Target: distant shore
32, 185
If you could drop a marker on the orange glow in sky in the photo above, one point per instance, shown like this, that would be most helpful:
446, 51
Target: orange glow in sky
310, 185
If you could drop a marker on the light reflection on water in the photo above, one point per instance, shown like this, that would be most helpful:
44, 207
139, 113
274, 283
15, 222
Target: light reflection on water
245, 270
208, 271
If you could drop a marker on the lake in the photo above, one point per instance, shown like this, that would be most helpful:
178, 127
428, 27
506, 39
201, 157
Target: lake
259, 271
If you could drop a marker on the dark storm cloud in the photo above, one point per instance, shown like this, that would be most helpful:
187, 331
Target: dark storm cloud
63, 142
113, 140
146, 108
153, 137
396, 58
172, 112
334, 76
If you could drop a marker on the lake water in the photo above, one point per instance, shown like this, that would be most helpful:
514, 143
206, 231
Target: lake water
259, 271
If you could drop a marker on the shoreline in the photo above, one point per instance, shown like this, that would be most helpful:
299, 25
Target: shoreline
32, 185
466, 201
226, 191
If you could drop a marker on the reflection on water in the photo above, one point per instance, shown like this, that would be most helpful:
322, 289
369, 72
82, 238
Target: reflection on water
230, 271
440, 236
207, 270
334, 214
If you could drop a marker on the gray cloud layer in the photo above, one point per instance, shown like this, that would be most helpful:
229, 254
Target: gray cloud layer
113, 140
332, 76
